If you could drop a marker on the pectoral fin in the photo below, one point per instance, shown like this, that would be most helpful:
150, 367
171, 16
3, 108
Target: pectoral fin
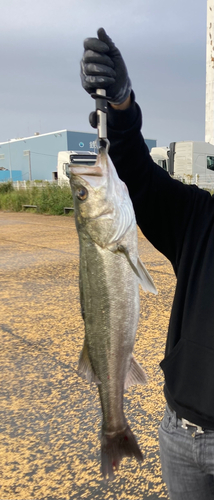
135, 375
144, 277
85, 369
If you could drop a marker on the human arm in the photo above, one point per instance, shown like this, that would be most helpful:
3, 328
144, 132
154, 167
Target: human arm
124, 105
162, 206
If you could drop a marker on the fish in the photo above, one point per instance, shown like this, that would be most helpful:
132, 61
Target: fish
110, 272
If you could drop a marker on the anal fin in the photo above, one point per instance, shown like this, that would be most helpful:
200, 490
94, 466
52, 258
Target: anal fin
135, 375
85, 369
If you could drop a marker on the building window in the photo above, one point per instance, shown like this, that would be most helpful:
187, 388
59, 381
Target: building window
1, 157
162, 164
210, 162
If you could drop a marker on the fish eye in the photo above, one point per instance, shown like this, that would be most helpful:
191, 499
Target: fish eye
82, 193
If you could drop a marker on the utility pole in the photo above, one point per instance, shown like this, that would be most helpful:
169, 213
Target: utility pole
209, 115
27, 153
10, 168
30, 173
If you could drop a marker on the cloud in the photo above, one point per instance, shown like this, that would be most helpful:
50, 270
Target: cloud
41, 45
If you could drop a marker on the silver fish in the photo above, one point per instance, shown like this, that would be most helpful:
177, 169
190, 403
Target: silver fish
110, 273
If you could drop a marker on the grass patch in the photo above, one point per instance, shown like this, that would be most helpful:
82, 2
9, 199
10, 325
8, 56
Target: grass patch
50, 199
6, 187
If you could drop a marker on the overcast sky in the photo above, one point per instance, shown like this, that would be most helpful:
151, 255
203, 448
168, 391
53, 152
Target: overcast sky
162, 41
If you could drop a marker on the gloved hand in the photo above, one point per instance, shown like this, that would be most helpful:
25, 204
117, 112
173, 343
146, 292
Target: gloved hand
103, 67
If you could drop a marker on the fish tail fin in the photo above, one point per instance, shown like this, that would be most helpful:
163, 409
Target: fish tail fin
114, 447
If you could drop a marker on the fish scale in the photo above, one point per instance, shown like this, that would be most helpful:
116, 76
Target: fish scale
110, 273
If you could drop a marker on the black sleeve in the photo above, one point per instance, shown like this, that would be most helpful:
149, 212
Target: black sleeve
162, 205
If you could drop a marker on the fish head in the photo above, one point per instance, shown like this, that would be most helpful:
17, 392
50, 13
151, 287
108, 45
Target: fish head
103, 208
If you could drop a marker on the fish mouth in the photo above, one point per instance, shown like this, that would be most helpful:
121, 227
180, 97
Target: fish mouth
92, 175
86, 170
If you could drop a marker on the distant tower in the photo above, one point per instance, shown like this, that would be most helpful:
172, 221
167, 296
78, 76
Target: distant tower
209, 117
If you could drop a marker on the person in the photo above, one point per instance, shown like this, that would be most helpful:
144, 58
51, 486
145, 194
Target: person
178, 220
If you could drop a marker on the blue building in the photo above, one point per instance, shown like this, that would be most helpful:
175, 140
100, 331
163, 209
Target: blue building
7, 175
151, 143
36, 156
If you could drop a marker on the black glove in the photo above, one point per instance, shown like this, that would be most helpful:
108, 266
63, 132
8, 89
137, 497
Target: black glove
102, 67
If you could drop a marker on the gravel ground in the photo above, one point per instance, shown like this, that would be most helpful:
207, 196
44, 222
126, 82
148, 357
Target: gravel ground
50, 418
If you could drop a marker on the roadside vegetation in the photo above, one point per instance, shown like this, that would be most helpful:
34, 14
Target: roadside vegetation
50, 199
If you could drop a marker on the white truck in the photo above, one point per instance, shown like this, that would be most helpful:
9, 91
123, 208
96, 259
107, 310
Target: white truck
191, 162
74, 157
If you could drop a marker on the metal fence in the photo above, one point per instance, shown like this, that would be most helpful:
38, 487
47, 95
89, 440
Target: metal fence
200, 181
29, 184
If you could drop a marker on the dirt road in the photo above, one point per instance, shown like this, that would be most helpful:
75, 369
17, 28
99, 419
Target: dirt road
50, 418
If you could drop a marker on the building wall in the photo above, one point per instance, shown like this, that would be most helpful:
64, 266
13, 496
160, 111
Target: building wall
5, 175
209, 108
81, 141
44, 148
151, 143
87, 141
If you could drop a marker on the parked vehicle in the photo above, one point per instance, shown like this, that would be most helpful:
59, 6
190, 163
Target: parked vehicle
65, 158
188, 161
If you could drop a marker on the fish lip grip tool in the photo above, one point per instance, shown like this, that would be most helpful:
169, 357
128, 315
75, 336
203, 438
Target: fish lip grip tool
100, 122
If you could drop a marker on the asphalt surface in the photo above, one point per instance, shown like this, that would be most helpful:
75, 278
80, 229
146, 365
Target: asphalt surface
50, 418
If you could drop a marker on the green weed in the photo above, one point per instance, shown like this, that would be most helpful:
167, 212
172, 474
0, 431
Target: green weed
50, 199
6, 187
